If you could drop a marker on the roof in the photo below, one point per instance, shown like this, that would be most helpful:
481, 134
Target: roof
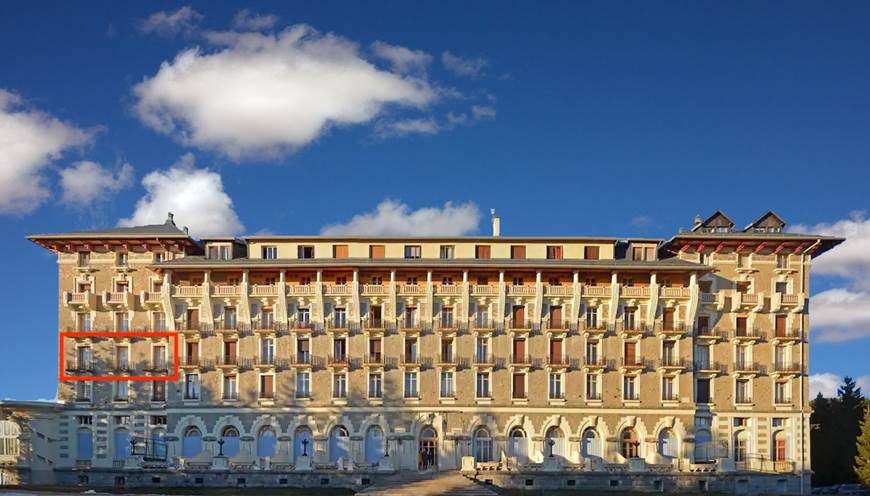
246, 263
706, 221
825, 242
423, 239
762, 217
166, 230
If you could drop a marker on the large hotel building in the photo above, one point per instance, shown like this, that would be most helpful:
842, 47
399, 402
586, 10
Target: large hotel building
536, 362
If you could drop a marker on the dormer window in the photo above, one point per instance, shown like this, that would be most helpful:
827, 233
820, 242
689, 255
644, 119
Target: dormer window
219, 252
305, 252
270, 252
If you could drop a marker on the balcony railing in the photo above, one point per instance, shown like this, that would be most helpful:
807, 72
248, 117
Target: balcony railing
522, 291
561, 291
525, 324
786, 367
373, 289
484, 359
337, 324
484, 290
752, 333
407, 325
635, 291
300, 290
558, 360
227, 290
228, 360
265, 360
596, 291
338, 360
410, 358
672, 362
746, 366
264, 290
521, 359
187, 291
787, 333
338, 289
479, 323
596, 361
80, 365
709, 367
190, 361
676, 292
708, 333
373, 324
448, 290
447, 358
635, 362
374, 359
301, 325
412, 290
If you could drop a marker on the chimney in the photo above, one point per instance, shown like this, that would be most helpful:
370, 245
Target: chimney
697, 221
186, 231
496, 223
170, 219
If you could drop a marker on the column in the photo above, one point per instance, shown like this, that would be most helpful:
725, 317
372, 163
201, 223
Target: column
653, 309
390, 316
355, 305
318, 317
244, 303
466, 299
166, 299
281, 302
429, 313
500, 307
539, 300
614, 297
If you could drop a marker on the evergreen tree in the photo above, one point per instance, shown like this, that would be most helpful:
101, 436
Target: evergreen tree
848, 417
862, 460
821, 426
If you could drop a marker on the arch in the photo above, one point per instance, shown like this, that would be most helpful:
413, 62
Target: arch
518, 444
666, 443
84, 444
339, 441
302, 442
121, 444
266, 441
741, 446
590, 444
779, 447
9, 443
267, 420
556, 442
232, 441
191, 444
629, 443
704, 447
428, 448
374, 444
482, 445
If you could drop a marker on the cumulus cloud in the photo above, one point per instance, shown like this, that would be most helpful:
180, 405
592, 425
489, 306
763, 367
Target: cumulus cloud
168, 24
460, 66
394, 218
270, 94
403, 60
482, 112
196, 197
408, 126
29, 141
828, 383
852, 258
86, 182
840, 314
246, 21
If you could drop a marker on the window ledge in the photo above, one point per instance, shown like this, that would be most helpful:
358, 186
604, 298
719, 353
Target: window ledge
376, 401
520, 401
447, 400
594, 402
303, 399
412, 399
631, 402
671, 403
558, 401
744, 406
339, 401
483, 401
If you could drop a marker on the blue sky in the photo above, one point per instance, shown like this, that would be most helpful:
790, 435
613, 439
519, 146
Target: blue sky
569, 118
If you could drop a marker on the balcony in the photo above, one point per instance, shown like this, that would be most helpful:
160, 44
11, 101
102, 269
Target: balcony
373, 290
300, 290
558, 361
374, 359
747, 367
411, 290
484, 290
409, 326
80, 365
522, 291
187, 291
150, 298
786, 368
223, 325
676, 293
707, 334
555, 327
787, 334
753, 301
371, 324
338, 360
265, 361
519, 325
673, 364
338, 289
448, 290
338, 325
632, 363
566, 291
122, 368
118, 298
301, 325
596, 291
629, 330
708, 299
448, 358
228, 361
753, 334
264, 326
484, 324
484, 359
446, 325
521, 359
264, 290
80, 300
635, 292
410, 359
226, 290
594, 362
298, 359
671, 329
190, 362
157, 367
708, 367
594, 328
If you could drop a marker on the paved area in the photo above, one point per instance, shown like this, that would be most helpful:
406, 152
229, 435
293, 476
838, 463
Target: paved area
438, 484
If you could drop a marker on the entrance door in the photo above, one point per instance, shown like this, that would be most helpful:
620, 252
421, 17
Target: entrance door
428, 456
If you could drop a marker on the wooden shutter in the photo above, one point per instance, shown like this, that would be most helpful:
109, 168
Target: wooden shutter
630, 352
303, 345
376, 346
668, 319
519, 348
519, 386
193, 350
339, 251
555, 317
377, 251
590, 253
554, 252
231, 349
741, 326
556, 349
266, 386
780, 325
519, 315
518, 252
482, 252
193, 318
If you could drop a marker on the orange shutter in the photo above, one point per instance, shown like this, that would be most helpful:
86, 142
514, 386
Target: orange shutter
668, 318
339, 251
518, 252
519, 315
555, 317
377, 251
519, 348
556, 349
741, 325
519, 386
590, 253
780, 325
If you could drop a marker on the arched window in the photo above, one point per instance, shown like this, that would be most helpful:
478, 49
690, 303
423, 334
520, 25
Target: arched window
266, 441
192, 443
591, 445
518, 445
630, 445
338, 443
302, 443
556, 441
704, 449
780, 447
122, 444
482, 445
741, 446
9, 444
85, 444
667, 443
374, 444
230, 436
158, 444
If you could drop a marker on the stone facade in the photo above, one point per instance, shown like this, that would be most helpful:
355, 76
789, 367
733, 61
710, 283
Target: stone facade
659, 364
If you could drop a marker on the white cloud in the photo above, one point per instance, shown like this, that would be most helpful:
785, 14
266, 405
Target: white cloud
408, 126
246, 21
460, 66
850, 259
828, 383
29, 141
403, 60
164, 23
268, 95
86, 182
394, 218
840, 315
482, 112
195, 196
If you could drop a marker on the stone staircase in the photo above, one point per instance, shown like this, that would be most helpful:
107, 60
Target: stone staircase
427, 484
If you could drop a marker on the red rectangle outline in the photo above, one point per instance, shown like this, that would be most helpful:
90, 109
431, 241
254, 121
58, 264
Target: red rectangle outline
63, 377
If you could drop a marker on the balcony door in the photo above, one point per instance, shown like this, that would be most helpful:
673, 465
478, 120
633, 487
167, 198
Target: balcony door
518, 313
519, 349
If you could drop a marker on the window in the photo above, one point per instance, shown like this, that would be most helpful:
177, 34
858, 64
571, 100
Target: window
159, 321
781, 287
84, 358
482, 445
158, 391
556, 391
267, 386
305, 251
629, 388
339, 251
518, 252
377, 251
413, 251
482, 349
191, 386
303, 317
781, 393
630, 320
84, 259
231, 389
590, 252
630, 444
303, 351
84, 322
84, 444
592, 356
554, 252
742, 391
593, 389
447, 350
447, 384
447, 318
482, 252
519, 385
592, 317
121, 259
641, 253
447, 251
703, 391
669, 392
158, 357
339, 318
219, 252
122, 390
741, 326
191, 445
781, 261
376, 385
741, 444
777, 422
158, 420
122, 322
339, 385
410, 384
270, 252
483, 385
303, 384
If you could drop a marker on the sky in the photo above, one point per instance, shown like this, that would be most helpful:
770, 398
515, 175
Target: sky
568, 118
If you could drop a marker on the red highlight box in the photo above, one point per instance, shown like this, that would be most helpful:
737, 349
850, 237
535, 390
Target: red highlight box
62, 371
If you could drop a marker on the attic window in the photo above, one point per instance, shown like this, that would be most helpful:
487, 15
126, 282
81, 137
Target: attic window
722, 229
221, 252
